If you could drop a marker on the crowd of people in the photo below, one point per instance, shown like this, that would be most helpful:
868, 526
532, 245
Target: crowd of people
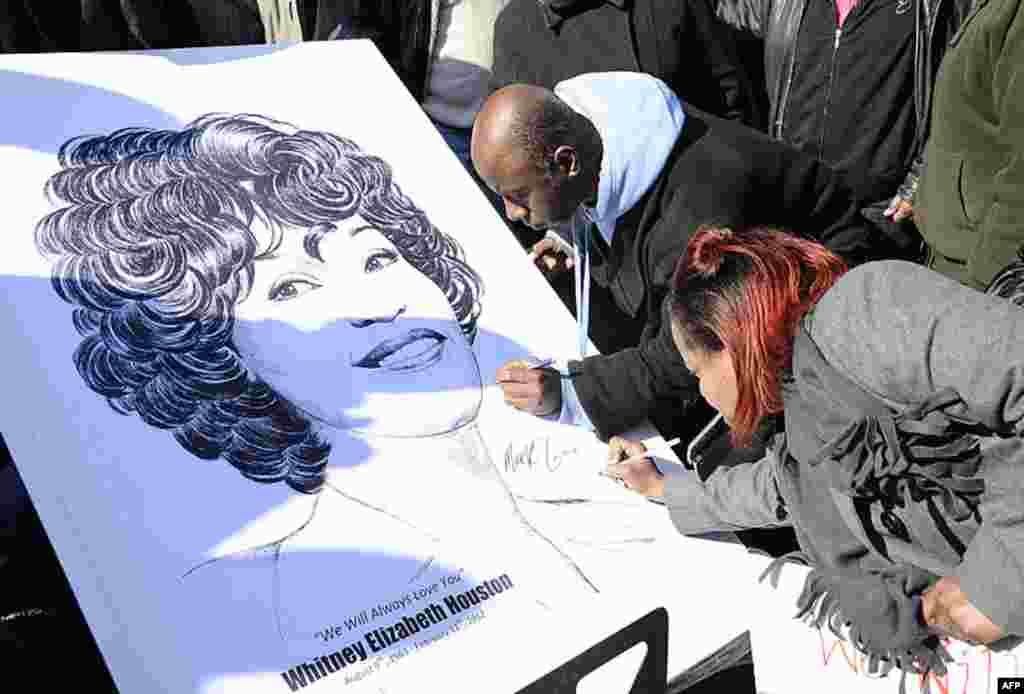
804, 217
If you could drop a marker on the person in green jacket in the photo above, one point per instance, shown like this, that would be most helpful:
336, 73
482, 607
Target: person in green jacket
970, 206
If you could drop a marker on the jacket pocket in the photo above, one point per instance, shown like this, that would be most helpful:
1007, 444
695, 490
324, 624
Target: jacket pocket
943, 216
972, 205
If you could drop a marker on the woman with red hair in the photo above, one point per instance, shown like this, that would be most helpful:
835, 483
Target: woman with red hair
897, 397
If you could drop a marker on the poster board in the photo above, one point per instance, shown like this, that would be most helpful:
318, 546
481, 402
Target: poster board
194, 577
197, 578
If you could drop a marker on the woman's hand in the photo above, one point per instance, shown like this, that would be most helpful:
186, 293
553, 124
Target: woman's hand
626, 463
948, 612
620, 449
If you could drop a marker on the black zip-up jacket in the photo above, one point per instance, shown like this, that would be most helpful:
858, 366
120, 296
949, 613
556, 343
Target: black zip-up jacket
778, 23
851, 100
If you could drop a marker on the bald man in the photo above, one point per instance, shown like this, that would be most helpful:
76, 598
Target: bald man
626, 173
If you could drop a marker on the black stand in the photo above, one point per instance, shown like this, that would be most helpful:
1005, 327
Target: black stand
652, 629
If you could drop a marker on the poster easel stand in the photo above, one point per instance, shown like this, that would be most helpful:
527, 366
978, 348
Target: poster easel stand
651, 629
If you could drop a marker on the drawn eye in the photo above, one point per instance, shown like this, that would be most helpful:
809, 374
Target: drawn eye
288, 289
379, 259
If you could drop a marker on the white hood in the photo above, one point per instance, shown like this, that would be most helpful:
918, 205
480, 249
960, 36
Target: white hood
639, 119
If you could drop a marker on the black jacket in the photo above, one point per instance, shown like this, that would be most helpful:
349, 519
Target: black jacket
31, 26
851, 101
778, 22
399, 28
756, 180
680, 42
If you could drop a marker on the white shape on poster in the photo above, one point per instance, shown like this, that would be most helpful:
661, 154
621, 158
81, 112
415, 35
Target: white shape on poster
293, 275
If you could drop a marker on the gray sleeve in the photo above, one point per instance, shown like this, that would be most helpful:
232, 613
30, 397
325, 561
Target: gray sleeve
735, 498
904, 332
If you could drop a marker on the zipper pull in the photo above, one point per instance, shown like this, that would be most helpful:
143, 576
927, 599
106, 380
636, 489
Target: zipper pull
839, 33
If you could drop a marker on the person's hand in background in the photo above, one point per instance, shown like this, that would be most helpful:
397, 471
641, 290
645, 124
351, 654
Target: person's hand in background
900, 208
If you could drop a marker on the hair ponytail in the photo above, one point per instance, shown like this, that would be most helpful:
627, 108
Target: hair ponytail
745, 291
707, 249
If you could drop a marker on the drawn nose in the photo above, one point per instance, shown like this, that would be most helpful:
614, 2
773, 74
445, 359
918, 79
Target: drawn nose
364, 322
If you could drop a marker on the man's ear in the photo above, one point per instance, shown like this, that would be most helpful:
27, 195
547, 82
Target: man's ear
567, 161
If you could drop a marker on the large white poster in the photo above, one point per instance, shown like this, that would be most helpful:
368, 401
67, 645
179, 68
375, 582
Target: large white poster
253, 309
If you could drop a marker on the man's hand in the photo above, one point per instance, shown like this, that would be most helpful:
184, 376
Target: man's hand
625, 462
948, 612
551, 258
537, 391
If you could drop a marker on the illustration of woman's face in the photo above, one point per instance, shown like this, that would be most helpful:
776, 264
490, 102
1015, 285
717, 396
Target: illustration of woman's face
361, 341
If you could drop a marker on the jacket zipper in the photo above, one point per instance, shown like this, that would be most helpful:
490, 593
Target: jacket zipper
828, 93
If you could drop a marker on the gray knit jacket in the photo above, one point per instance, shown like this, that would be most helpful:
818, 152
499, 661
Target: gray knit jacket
944, 365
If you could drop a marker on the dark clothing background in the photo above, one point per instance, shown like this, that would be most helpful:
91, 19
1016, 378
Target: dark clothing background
399, 28
851, 101
679, 42
31, 26
778, 24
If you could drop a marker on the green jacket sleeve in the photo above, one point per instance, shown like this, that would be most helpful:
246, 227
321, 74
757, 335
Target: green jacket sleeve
1002, 228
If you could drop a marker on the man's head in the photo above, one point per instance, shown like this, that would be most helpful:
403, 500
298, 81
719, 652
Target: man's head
542, 157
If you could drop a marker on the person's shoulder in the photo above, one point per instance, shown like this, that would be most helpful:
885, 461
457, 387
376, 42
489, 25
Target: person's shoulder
879, 300
517, 14
879, 283
883, 279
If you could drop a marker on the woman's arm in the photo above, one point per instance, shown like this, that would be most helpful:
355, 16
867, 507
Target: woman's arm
734, 498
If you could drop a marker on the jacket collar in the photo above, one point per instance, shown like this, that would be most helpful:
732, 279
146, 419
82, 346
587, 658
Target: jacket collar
555, 11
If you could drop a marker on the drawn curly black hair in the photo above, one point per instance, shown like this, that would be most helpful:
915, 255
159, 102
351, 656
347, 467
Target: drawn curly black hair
153, 248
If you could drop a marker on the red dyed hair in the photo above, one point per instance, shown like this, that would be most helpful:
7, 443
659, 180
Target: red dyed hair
745, 291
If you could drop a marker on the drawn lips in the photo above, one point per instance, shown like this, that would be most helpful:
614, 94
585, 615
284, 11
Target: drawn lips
412, 351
